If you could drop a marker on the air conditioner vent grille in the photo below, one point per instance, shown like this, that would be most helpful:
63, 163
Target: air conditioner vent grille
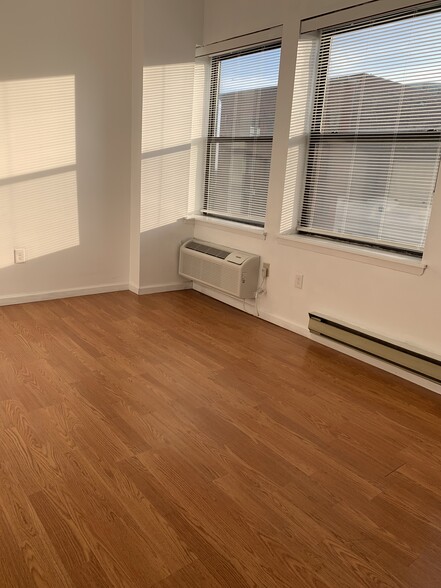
219, 253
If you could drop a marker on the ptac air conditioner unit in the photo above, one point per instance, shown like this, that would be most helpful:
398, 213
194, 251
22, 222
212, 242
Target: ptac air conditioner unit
233, 272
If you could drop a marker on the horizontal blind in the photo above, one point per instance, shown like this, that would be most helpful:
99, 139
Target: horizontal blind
375, 136
299, 131
241, 124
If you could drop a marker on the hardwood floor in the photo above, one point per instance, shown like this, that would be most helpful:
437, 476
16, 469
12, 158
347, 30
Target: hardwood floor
172, 441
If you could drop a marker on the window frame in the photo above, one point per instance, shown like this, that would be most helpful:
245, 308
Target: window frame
212, 139
317, 137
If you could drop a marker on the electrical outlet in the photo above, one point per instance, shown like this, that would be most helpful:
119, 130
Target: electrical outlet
299, 281
265, 269
19, 255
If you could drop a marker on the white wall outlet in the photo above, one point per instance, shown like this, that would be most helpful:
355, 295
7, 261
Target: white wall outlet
19, 255
299, 281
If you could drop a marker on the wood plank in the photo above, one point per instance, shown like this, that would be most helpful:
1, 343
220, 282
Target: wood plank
172, 441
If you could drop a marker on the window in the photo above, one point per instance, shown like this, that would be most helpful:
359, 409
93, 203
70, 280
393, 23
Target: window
240, 134
374, 146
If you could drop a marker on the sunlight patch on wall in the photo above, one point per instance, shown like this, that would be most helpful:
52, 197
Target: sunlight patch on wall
37, 125
166, 135
199, 132
40, 215
38, 184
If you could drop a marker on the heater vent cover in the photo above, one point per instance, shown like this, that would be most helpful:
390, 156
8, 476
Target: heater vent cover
414, 360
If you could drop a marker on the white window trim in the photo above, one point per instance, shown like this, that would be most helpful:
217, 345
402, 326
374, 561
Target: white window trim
230, 226
243, 42
366, 9
384, 259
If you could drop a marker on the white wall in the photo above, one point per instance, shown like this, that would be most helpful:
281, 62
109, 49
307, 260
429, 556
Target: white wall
397, 305
65, 70
227, 18
95, 129
171, 29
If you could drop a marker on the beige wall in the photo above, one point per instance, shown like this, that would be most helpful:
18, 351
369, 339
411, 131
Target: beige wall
397, 305
65, 144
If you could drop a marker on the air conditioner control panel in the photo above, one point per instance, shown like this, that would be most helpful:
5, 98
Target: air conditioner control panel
237, 258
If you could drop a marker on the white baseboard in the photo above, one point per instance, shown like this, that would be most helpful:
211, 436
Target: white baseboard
304, 332
285, 324
246, 306
142, 290
56, 294
102, 289
249, 307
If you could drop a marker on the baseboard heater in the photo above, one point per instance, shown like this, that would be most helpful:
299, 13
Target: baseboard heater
413, 360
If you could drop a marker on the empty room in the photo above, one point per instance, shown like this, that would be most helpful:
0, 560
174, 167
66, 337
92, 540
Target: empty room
220, 294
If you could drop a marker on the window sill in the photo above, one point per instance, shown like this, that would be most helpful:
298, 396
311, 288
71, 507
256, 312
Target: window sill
230, 226
392, 261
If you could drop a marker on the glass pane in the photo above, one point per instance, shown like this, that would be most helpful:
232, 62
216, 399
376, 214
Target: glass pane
238, 179
380, 191
385, 78
247, 94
